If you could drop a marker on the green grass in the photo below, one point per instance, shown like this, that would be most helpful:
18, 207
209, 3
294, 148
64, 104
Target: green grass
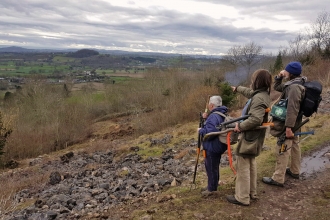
59, 63
63, 59
150, 151
124, 80
74, 99
32, 68
321, 136
106, 71
98, 97
79, 97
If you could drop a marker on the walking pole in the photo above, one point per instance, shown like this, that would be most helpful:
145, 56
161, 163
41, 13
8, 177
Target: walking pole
198, 147
199, 142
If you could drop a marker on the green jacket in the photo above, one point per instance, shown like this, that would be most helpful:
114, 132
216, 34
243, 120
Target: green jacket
294, 93
252, 139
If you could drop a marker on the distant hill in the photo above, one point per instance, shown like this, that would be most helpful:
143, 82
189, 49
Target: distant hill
77, 53
144, 59
83, 53
15, 50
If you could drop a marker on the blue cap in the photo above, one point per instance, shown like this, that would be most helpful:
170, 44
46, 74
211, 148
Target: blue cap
294, 68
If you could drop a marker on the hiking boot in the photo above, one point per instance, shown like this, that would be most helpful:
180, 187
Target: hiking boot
270, 181
294, 176
207, 193
232, 199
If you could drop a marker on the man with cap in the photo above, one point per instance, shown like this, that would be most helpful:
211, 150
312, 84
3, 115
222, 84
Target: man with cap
293, 92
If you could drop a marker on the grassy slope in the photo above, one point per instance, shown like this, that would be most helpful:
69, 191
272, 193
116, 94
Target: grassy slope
189, 204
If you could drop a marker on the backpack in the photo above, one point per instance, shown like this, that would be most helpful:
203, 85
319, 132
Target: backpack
233, 135
312, 99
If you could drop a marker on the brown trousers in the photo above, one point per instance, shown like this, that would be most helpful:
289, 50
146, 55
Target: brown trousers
246, 179
282, 160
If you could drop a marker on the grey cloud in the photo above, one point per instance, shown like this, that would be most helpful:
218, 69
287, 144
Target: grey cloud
63, 23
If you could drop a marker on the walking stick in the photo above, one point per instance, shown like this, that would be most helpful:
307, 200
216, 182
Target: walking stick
198, 146
199, 142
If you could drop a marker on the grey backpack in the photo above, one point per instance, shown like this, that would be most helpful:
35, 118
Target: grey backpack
233, 135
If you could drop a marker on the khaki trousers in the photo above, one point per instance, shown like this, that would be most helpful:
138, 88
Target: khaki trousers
283, 159
246, 179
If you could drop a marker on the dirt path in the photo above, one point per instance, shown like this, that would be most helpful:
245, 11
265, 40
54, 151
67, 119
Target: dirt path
299, 199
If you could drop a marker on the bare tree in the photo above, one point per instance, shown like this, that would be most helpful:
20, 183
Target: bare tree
247, 56
298, 47
234, 55
251, 55
319, 33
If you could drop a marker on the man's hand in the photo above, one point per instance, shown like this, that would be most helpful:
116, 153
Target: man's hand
205, 114
281, 74
236, 129
288, 133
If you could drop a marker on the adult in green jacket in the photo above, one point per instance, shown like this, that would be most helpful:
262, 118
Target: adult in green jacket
252, 139
293, 92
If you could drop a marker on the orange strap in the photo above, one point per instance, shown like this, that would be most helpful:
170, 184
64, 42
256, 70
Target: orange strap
229, 153
268, 124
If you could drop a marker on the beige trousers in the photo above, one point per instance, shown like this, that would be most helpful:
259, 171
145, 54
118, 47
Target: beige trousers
246, 179
282, 160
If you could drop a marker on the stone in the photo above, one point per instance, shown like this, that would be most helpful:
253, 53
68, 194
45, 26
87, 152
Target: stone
55, 178
51, 215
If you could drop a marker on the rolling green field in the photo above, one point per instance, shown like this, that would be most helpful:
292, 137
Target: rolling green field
59, 64
11, 68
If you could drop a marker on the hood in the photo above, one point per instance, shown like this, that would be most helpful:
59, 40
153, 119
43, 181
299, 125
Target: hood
222, 109
298, 79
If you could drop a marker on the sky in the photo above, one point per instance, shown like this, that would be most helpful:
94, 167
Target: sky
201, 27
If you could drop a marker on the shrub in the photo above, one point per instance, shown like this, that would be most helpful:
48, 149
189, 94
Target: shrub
4, 134
226, 93
44, 121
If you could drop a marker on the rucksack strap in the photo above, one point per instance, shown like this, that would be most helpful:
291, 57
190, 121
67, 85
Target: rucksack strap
220, 113
301, 82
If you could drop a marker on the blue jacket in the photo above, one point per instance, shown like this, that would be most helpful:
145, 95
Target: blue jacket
212, 144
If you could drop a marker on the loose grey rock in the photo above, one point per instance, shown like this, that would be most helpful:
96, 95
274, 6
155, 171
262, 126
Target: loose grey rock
54, 178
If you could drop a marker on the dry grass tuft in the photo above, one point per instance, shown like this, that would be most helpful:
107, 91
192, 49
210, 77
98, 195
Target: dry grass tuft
17, 180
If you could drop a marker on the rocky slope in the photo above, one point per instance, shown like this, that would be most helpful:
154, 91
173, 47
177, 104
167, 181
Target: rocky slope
102, 185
